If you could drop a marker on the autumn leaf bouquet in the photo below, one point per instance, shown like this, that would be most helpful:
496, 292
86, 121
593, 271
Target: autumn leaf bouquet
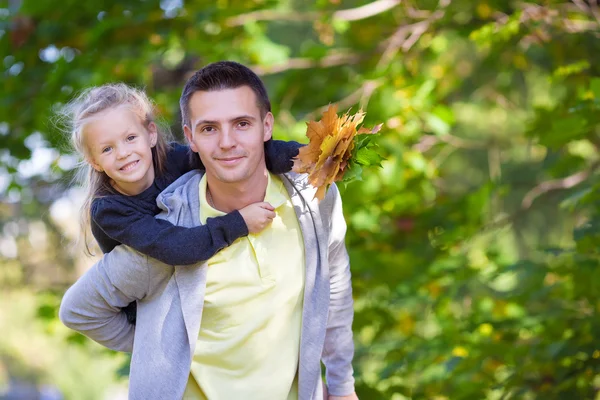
337, 150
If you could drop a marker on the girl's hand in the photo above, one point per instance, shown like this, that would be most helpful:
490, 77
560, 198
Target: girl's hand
258, 216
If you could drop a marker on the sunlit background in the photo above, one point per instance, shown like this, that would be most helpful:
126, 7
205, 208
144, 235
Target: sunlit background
474, 247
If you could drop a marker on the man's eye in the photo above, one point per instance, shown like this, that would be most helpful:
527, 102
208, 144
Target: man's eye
244, 124
208, 129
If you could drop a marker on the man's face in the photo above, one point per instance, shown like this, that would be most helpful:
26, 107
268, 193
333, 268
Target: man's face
228, 133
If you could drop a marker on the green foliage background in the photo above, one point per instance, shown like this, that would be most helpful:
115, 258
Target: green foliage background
474, 248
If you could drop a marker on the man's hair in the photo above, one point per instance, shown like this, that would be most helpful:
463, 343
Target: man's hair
219, 76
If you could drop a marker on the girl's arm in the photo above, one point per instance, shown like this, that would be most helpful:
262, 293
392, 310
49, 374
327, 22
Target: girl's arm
157, 238
105, 242
278, 155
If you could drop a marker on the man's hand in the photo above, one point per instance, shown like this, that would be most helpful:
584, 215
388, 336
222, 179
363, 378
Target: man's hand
326, 395
349, 397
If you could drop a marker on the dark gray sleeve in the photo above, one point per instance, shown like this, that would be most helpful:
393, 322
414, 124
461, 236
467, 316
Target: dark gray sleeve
279, 155
159, 239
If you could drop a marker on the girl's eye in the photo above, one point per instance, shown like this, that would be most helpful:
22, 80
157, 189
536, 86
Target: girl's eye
130, 137
106, 149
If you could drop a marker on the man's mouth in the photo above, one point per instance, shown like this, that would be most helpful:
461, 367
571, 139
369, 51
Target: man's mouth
129, 166
229, 160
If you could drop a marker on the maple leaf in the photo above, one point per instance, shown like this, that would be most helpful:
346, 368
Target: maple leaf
330, 149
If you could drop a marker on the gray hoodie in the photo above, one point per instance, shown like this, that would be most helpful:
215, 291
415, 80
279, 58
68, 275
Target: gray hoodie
170, 299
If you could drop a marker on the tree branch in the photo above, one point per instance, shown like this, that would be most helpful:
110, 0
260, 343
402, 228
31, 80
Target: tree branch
428, 141
365, 91
366, 11
270, 15
541, 189
331, 60
591, 9
351, 14
557, 184
406, 36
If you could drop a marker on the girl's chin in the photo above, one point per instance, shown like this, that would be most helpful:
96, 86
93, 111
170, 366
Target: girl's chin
130, 188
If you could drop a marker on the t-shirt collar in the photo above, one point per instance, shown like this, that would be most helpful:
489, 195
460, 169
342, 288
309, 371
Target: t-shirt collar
274, 195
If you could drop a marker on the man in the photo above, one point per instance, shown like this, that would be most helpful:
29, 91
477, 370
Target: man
257, 319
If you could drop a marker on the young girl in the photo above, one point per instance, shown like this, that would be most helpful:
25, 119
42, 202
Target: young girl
128, 163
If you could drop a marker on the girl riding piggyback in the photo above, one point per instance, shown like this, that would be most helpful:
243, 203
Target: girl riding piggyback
127, 162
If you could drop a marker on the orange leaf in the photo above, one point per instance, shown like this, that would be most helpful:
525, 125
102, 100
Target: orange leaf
331, 141
375, 129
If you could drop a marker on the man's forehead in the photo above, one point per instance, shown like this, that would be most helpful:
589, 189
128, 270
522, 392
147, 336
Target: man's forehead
223, 103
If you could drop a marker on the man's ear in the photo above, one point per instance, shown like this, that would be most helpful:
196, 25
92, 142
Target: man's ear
152, 133
189, 136
268, 122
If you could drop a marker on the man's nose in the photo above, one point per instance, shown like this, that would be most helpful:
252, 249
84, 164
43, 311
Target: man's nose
227, 138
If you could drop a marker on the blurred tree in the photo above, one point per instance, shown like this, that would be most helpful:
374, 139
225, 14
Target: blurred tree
474, 247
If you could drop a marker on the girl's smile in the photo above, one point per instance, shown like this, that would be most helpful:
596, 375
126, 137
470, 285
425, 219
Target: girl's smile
125, 155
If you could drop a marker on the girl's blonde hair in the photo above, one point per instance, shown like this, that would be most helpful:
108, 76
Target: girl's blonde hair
80, 111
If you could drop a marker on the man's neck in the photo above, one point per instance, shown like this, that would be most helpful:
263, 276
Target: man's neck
227, 197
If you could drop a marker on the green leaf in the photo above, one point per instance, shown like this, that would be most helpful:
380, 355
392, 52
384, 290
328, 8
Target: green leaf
571, 69
437, 125
363, 140
354, 173
595, 87
368, 156
576, 199
340, 26
563, 130
47, 312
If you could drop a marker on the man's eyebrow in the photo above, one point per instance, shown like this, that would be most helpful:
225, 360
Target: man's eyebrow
243, 117
210, 122
203, 122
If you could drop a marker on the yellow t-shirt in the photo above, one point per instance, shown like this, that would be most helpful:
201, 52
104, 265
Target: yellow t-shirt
249, 340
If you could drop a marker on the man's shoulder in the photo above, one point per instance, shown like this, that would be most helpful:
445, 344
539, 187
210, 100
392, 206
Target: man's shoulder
185, 185
296, 177
308, 191
179, 202
324, 207
301, 184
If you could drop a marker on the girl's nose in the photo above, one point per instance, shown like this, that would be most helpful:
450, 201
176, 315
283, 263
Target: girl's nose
123, 151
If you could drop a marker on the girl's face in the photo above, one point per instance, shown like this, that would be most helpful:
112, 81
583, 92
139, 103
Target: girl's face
120, 145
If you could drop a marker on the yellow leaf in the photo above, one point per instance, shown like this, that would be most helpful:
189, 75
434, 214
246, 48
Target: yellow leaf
460, 351
331, 141
486, 329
